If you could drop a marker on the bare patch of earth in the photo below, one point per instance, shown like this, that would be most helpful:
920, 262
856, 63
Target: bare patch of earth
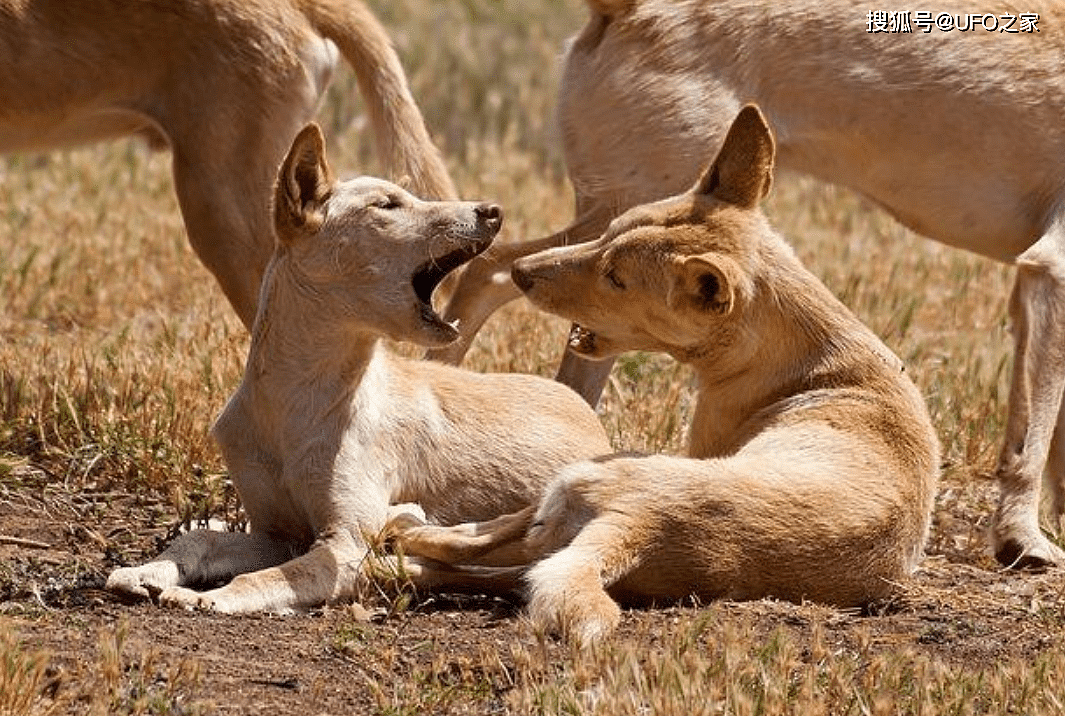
431, 654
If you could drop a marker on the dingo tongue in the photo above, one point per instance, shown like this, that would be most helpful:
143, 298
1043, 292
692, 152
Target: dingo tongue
581, 339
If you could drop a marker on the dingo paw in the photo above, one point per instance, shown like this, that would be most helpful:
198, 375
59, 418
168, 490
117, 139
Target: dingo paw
584, 619
1034, 552
1018, 542
184, 598
143, 582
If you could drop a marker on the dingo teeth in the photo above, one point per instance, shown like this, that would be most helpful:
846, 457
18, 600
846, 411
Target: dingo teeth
581, 339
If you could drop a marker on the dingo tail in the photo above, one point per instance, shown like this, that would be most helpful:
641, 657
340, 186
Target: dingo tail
397, 122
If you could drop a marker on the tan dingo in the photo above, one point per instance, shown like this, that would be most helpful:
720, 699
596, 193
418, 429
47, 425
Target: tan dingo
813, 462
328, 428
958, 134
225, 84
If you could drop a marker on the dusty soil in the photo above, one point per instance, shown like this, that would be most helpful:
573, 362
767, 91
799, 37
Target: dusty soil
58, 546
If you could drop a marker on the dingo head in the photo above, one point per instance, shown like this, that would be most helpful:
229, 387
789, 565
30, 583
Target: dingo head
671, 276
368, 253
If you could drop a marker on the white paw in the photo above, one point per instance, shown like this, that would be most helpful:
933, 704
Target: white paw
584, 618
230, 599
145, 581
184, 598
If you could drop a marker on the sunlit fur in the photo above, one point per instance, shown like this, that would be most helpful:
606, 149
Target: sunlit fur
329, 428
225, 84
812, 461
956, 134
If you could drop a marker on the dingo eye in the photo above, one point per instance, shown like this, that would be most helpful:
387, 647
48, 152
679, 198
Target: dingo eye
616, 282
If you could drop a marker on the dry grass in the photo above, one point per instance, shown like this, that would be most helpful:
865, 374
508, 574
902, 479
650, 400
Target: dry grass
117, 350
115, 683
720, 663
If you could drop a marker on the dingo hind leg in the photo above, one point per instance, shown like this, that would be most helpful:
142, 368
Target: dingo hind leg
1056, 470
585, 548
497, 542
221, 229
1037, 313
198, 557
392, 572
224, 187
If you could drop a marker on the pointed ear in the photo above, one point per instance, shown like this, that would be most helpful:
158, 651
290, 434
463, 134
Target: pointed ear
742, 173
303, 183
702, 282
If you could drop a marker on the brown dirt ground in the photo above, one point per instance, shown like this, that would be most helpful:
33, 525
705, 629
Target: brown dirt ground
58, 546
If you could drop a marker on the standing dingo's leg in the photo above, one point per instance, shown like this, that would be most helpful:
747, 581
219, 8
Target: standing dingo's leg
484, 285
224, 186
1037, 311
587, 377
1056, 469
226, 216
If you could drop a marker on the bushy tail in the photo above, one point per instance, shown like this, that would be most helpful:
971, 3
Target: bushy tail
397, 122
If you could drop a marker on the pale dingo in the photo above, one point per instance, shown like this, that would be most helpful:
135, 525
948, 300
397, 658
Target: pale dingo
329, 428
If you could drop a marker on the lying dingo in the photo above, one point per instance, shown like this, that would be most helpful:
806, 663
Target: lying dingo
225, 84
813, 462
328, 428
958, 134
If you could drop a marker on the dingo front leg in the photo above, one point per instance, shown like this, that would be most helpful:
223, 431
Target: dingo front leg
329, 572
587, 377
1037, 311
482, 288
567, 591
196, 557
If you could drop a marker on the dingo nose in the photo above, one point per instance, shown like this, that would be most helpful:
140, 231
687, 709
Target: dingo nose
490, 214
522, 279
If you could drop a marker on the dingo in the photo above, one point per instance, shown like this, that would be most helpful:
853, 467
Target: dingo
225, 84
958, 134
815, 461
328, 428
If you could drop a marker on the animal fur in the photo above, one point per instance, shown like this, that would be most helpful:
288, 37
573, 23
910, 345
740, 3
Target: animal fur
812, 462
225, 84
959, 135
328, 428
